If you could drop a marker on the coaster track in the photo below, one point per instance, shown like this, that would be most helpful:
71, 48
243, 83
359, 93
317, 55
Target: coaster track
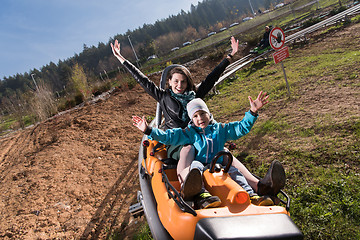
235, 66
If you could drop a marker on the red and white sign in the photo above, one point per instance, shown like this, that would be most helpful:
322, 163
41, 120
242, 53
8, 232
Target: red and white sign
277, 38
281, 54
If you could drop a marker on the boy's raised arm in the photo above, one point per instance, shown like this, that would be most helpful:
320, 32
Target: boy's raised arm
175, 136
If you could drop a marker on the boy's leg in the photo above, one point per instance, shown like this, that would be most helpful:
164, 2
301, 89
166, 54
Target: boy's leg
252, 181
239, 178
203, 199
271, 184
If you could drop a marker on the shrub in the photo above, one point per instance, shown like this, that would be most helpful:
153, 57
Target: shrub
311, 22
337, 10
79, 81
215, 55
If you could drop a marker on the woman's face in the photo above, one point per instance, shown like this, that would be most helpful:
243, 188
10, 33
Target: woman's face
178, 83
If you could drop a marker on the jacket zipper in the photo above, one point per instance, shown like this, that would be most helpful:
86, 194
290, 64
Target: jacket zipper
208, 142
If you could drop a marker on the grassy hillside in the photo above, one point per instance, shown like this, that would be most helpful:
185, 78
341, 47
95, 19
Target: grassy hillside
314, 132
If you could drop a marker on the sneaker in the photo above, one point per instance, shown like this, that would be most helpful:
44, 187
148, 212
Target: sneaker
273, 181
261, 200
192, 184
206, 200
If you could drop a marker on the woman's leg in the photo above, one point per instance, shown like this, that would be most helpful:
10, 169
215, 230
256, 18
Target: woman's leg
190, 177
187, 155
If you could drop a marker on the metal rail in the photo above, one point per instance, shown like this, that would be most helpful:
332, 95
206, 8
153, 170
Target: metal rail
239, 64
247, 59
324, 23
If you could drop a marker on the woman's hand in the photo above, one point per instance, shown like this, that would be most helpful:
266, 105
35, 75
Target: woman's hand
259, 102
116, 51
140, 123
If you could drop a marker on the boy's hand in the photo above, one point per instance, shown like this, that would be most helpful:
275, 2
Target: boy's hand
259, 102
140, 123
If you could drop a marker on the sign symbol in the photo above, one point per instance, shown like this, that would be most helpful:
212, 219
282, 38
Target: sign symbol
277, 38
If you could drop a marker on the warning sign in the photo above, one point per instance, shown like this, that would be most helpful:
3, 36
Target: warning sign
281, 54
277, 38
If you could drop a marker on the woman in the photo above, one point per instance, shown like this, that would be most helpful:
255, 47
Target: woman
181, 86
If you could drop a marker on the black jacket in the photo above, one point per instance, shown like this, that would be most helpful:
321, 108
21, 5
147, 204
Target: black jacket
171, 107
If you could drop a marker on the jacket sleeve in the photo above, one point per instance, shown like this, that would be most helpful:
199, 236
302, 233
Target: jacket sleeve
210, 80
235, 130
175, 136
144, 81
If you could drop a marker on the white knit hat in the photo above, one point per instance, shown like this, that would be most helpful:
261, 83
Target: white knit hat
195, 105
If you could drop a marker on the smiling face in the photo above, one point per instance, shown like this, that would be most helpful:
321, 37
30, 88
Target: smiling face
201, 119
178, 83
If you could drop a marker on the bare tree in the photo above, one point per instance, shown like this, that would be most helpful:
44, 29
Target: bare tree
43, 103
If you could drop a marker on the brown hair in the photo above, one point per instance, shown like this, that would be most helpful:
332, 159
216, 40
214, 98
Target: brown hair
185, 72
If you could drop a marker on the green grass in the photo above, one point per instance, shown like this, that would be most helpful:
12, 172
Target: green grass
143, 233
9, 122
330, 208
6, 123
321, 154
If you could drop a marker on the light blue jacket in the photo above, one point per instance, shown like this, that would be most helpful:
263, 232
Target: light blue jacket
207, 142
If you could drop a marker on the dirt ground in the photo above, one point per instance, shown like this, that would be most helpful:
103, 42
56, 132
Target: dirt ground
74, 176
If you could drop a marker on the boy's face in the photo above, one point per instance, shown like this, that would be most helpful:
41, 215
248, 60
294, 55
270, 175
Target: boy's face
201, 119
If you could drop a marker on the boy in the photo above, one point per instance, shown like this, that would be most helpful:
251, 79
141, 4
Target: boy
208, 137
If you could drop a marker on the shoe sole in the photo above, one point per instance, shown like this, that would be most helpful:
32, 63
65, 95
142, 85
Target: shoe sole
192, 184
266, 202
212, 205
277, 177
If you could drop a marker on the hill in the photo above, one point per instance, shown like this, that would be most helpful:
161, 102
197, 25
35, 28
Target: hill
74, 176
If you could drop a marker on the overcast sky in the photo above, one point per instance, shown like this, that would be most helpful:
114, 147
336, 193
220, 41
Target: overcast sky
35, 32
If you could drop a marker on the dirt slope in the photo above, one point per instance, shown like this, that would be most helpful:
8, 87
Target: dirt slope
74, 176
